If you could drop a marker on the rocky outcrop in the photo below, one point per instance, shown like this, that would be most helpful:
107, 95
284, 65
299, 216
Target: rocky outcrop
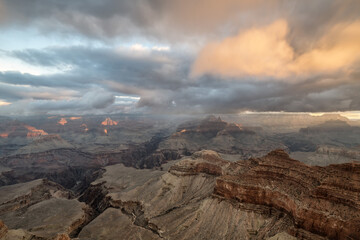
62, 121
14, 197
339, 151
3, 229
107, 227
179, 204
329, 126
286, 122
208, 162
109, 122
324, 201
272, 197
48, 218
40, 210
44, 144
11, 129
75, 169
62, 236
201, 196
215, 134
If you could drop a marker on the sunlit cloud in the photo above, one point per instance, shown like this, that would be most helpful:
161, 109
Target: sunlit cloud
257, 51
338, 49
4, 103
139, 47
128, 97
145, 48
10, 64
161, 48
266, 52
126, 100
184, 56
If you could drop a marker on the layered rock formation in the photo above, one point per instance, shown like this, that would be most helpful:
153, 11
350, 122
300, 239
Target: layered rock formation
282, 123
329, 126
11, 129
68, 166
43, 144
198, 197
320, 200
353, 153
206, 197
218, 135
62, 121
39, 210
109, 122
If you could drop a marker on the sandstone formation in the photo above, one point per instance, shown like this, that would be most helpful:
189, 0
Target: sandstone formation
73, 168
39, 210
113, 224
17, 196
207, 197
324, 201
353, 153
218, 135
11, 129
62, 121
136, 191
283, 123
43, 144
109, 122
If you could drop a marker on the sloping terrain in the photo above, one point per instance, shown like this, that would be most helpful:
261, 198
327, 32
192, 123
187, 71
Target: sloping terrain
218, 135
204, 196
39, 210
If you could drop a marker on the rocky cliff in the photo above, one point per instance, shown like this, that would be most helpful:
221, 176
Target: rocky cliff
205, 196
215, 134
39, 209
321, 200
201, 196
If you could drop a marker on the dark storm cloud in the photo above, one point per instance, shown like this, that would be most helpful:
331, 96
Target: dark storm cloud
99, 19
90, 102
177, 19
89, 78
146, 68
17, 92
161, 80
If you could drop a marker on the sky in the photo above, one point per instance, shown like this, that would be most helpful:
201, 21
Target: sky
179, 56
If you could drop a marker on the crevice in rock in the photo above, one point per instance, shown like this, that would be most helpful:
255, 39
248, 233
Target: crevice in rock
97, 200
135, 211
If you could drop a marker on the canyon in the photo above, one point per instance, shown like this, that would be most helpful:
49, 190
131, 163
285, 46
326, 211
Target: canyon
189, 179
201, 196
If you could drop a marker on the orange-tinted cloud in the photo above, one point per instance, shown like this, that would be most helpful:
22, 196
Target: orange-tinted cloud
336, 50
4, 103
257, 51
266, 52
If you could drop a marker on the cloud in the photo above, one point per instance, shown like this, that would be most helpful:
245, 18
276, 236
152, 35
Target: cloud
94, 101
172, 21
12, 92
160, 83
336, 50
266, 52
3, 103
257, 51
259, 55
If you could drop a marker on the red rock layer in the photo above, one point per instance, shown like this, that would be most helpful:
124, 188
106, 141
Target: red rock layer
109, 122
3, 229
62, 121
322, 200
18, 129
